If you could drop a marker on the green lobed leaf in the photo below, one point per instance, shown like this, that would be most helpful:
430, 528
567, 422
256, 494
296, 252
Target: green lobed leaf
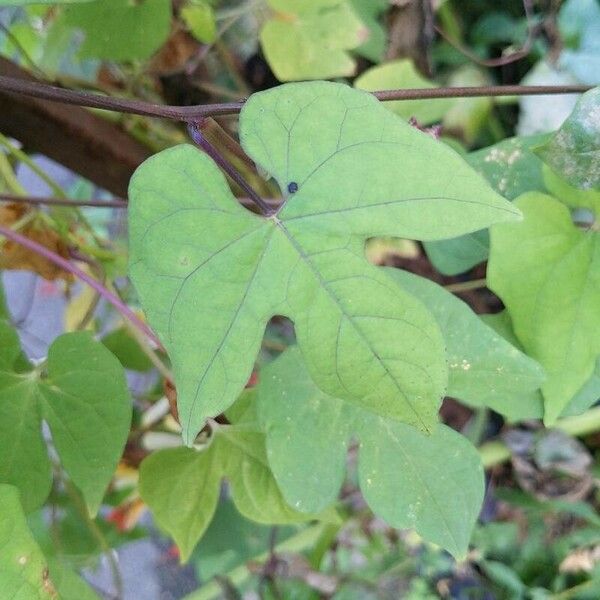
485, 369
120, 30
574, 150
24, 573
86, 404
199, 17
311, 39
182, 485
433, 483
511, 168
210, 274
402, 74
547, 272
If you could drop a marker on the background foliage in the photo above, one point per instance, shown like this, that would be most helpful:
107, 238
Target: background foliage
314, 482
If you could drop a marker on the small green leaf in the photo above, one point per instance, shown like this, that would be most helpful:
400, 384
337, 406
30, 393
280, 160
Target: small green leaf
310, 39
574, 150
547, 273
511, 168
199, 17
121, 30
86, 403
433, 483
485, 370
182, 485
24, 572
84, 399
401, 74
223, 272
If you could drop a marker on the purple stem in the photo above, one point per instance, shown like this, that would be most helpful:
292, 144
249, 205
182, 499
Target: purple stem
195, 130
77, 272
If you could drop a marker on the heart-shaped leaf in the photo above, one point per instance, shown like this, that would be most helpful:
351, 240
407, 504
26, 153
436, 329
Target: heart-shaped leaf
210, 274
87, 405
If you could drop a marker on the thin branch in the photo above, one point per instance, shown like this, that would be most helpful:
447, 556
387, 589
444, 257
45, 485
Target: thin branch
190, 114
464, 286
200, 140
68, 266
116, 203
271, 203
56, 94
479, 91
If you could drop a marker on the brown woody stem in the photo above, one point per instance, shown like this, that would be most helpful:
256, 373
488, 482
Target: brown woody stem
191, 114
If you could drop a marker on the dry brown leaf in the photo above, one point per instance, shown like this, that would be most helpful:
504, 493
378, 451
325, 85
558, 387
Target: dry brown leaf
581, 560
13, 256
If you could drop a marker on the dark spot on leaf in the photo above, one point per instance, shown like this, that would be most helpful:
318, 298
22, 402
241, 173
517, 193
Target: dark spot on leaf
292, 187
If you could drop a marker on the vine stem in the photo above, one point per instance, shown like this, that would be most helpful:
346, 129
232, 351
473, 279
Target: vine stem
195, 131
68, 266
464, 286
14, 198
190, 114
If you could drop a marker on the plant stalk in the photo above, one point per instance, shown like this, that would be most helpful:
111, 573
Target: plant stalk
190, 114
83, 276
